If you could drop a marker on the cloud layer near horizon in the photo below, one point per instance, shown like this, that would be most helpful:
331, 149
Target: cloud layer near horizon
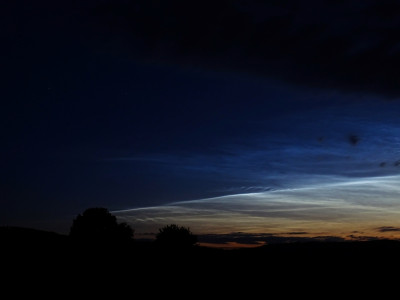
342, 208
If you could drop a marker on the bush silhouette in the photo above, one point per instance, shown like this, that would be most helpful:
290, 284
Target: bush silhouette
175, 236
97, 224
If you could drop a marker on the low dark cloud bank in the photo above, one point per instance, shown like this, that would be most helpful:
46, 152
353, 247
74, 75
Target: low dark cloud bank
290, 237
388, 228
261, 238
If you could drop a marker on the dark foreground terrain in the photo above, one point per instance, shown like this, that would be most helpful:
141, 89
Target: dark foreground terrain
41, 262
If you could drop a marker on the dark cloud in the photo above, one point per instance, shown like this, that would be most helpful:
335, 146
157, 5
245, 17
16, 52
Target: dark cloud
261, 238
347, 45
353, 139
363, 238
388, 228
269, 238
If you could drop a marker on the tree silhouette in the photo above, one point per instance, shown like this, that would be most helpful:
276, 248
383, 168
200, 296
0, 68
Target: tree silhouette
175, 236
97, 224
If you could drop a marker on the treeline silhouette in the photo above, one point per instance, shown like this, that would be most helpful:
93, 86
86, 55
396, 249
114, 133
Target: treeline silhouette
97, 226
100, 249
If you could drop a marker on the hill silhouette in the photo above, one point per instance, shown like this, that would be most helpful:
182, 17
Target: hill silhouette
28, 240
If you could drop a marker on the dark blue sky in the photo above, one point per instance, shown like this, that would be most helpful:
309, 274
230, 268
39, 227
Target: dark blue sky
132, 104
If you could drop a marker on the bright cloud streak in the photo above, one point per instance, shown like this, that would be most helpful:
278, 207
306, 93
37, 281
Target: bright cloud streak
343, 208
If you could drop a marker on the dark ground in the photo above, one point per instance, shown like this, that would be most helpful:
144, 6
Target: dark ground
43, 262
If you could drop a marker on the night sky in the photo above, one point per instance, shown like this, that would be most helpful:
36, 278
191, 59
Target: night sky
247, 121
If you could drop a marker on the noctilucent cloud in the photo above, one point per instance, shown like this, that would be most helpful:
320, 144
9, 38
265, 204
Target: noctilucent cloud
314, 180
249, 123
